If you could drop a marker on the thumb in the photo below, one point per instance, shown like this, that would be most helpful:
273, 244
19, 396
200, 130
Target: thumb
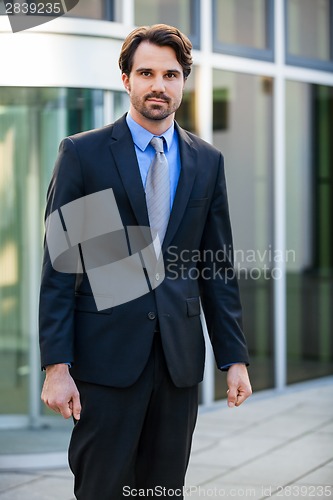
76, 406
232, 397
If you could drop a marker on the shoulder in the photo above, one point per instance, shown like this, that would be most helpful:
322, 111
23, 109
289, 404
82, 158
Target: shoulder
98, 137
197, 142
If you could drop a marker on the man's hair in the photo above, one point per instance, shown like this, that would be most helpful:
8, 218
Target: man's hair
161, 35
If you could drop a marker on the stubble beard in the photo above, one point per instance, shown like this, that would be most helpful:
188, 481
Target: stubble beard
154, 111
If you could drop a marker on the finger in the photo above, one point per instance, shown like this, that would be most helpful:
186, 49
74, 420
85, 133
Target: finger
240, 399
50, 404
232, 397
65, 410
59, 407
76, 406
242, 396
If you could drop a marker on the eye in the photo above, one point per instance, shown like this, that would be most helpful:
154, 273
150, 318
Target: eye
145, 73
171, 75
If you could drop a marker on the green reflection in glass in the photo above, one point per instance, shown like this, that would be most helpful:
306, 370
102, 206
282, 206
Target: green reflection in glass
186, 114
309, 181
32, 123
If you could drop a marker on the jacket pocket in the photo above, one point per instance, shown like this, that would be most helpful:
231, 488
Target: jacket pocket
86, 303
193, 306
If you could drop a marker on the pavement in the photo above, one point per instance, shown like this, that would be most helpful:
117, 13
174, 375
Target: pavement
277, 444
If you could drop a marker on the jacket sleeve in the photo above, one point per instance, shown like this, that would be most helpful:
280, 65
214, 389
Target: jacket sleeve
57, 291
218, 283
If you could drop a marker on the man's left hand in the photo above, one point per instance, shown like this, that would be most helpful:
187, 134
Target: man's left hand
239, 384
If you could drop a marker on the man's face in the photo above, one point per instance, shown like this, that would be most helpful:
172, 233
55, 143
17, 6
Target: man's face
155, 84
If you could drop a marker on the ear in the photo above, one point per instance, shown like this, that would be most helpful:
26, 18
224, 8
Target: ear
125, 80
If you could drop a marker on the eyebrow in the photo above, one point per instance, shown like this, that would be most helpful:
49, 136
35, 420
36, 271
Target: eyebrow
139, 70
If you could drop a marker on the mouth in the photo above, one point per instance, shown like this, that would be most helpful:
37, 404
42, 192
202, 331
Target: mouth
157, 100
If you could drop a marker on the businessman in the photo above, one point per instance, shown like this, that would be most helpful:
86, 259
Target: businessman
129, 374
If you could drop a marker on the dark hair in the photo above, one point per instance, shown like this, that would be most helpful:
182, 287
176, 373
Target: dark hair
161, 35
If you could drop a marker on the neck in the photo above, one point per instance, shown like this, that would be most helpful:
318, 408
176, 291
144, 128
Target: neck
156, 127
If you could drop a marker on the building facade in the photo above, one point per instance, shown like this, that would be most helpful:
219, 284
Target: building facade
261, 90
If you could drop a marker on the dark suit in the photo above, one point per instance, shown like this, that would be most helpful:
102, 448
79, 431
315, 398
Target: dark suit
112, 347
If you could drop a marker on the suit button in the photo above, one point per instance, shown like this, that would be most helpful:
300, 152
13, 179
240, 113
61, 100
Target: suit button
151, 315
157, 276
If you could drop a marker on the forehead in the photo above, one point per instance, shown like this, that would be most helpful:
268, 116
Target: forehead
153, 56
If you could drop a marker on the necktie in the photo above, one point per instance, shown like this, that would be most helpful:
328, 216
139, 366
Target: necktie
158, 190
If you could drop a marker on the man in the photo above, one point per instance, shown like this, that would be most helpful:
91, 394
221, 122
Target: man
129, 374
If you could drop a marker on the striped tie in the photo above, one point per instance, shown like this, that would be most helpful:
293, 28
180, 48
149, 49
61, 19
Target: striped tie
158, 190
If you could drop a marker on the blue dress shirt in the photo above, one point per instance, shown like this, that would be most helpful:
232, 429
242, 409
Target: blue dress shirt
145, 152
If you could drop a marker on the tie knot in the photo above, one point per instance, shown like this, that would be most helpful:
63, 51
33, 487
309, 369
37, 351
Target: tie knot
157, 143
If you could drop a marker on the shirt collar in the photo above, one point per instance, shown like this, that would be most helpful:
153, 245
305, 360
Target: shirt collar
142, 136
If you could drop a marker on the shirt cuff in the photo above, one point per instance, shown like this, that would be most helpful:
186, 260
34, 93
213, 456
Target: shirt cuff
62, 363
225, 368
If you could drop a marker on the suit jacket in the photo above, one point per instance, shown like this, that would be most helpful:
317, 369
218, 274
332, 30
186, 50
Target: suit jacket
112, 346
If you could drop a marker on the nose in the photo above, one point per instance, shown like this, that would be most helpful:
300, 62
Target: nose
158, 84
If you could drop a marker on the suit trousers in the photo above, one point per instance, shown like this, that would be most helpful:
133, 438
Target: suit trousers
134, 438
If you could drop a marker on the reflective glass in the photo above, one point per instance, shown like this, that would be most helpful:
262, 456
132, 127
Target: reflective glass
184, 14
309, 170
91, 10
239, 22
32, 123
309, 28
242, 116
186, 114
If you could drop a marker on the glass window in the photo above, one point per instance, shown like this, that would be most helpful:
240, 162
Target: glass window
242, 115
309, 170
309, 29
243, 27
32, 123
98, 9
184, 14
186, 114
121, 103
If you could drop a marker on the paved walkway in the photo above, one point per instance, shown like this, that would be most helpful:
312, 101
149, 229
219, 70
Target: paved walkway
275, 445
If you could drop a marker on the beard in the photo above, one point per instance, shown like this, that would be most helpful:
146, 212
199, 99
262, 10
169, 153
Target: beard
155, 111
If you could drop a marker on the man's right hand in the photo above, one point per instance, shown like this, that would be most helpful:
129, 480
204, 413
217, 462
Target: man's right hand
60, 392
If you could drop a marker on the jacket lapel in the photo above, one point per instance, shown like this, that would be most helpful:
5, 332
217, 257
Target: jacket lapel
122, 149
188, 158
